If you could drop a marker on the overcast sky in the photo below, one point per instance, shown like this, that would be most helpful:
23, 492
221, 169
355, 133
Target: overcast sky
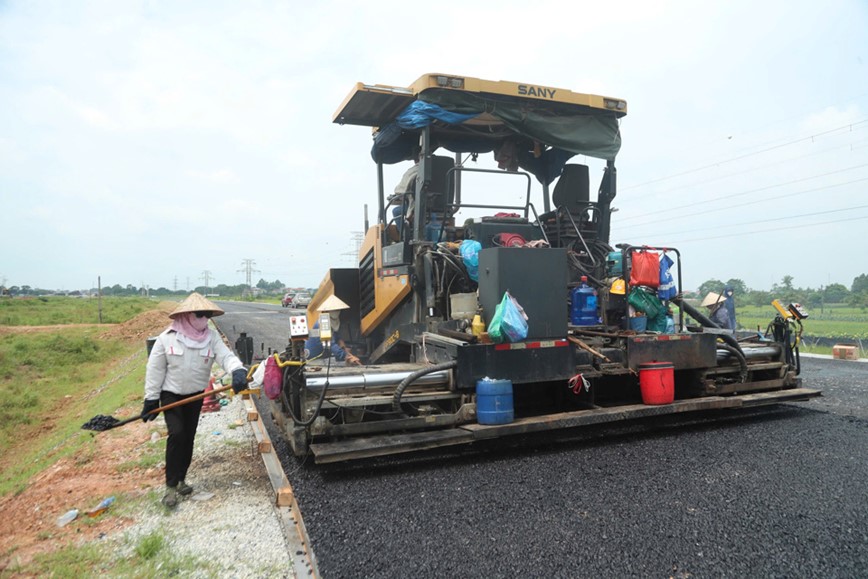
151, 142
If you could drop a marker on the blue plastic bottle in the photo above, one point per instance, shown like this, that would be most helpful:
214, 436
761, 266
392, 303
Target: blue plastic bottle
583, 310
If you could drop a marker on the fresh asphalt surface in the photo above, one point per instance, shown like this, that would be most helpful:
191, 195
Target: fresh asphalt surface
776, 492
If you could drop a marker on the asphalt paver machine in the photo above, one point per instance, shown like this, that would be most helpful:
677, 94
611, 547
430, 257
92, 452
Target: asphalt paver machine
444, 249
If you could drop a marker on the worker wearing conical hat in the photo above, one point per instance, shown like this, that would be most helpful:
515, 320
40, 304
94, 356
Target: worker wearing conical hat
716, 305
179, 367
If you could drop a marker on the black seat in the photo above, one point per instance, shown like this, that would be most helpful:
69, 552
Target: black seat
440, 192
573, 189
574, 215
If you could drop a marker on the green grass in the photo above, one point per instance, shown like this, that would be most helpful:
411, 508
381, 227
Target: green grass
53, 310
52, 382
151, 556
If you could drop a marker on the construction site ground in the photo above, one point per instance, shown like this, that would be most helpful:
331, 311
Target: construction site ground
209, 534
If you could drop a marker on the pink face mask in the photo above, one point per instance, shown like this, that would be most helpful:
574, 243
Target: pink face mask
200, 324
191, 326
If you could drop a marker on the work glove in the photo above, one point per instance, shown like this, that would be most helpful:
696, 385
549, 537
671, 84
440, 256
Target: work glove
149, 406
239, 380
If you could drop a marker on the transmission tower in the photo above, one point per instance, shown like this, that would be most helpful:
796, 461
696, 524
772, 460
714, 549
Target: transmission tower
356, 238
248, 270
206, 277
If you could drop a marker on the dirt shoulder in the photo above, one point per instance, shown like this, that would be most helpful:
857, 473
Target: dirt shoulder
28, 519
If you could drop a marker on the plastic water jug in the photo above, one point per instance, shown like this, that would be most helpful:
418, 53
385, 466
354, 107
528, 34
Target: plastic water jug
583, 309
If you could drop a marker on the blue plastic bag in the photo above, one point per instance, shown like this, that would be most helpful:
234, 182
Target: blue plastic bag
469, 250
509, 322
666, 290
514, 319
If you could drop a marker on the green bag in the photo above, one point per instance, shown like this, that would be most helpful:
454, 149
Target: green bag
657, 324
495, 327
645, 302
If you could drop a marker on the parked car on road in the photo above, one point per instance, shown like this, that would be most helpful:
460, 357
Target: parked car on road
300, 300
287, 300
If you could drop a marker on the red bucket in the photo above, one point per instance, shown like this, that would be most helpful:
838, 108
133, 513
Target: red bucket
657, 382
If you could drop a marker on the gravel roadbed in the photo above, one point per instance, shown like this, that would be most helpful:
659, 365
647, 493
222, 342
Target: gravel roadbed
229, 524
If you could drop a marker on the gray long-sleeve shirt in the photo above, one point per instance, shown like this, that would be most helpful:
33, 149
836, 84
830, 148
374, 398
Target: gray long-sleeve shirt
179, 368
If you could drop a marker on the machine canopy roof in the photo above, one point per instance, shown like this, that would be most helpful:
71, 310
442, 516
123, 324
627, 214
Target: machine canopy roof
541, 126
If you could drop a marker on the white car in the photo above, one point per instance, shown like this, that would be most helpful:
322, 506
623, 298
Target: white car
300, 300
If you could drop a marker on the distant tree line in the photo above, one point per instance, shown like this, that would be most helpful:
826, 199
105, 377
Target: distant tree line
855, 296
275, 287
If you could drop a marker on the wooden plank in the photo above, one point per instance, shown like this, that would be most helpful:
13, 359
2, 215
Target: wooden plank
791, 395
597, 416
303, 560
387, 444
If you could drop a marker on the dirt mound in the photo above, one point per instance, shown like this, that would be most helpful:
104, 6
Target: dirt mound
141, 327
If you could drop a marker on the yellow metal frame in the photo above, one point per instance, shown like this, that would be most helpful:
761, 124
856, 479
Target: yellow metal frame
389, 290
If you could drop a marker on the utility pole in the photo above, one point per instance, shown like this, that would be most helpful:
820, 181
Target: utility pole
99, 296
175, 284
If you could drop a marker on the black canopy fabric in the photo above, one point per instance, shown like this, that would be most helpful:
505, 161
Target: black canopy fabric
545, 134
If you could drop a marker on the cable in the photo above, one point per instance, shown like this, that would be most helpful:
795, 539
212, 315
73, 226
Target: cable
815, 213
751, 170
799, 140
764, 231
325, 387
667, 210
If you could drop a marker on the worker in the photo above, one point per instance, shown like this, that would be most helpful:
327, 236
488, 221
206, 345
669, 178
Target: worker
402, 200
339, 349
729, 295
716, 305
179, 367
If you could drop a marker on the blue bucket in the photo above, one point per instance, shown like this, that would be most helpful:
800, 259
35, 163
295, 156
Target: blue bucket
494, 402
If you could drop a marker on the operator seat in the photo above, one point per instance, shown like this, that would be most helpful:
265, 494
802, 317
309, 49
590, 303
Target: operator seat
572, 205
440, 191
573, 189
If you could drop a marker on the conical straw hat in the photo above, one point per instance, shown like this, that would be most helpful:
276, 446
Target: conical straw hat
196, 302
333, 303
712, 299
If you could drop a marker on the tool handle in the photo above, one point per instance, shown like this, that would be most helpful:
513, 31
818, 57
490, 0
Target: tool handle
199, 396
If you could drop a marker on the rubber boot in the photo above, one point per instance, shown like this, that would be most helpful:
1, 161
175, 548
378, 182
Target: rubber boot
170, 499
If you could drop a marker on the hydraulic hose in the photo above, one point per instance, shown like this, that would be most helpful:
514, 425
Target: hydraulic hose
296, 399
706, 321
399, 391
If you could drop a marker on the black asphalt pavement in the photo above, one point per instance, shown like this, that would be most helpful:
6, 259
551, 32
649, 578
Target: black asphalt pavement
779, 492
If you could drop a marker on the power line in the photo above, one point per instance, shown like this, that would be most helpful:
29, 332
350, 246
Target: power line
730, 235
763, 200
753, 169
811, 214
746, 155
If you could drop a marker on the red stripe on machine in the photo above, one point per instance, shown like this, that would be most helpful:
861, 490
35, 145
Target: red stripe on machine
532, 345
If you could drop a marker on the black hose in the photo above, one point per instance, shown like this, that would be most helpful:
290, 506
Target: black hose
399, 391
742, 361
707, 322
315, 415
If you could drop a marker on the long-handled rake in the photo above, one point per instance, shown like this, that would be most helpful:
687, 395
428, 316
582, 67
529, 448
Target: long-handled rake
101, 422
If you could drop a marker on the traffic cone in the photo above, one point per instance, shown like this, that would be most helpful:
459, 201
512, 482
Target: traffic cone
210, 403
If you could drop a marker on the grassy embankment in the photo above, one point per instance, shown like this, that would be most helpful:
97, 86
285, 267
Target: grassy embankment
46, 378
51, 382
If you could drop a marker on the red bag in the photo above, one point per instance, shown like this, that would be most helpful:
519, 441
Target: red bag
645, 268
273, 381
